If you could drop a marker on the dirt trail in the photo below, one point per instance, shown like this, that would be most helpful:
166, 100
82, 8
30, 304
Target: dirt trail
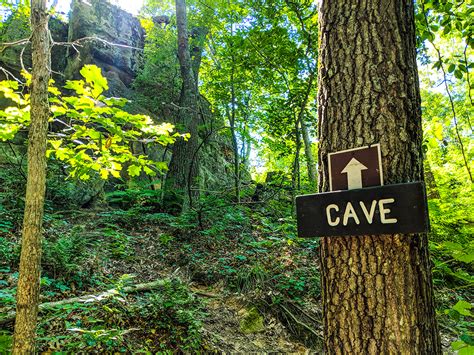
222, 331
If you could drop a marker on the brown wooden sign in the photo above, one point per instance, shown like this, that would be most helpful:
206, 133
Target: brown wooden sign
391, 209
355, 168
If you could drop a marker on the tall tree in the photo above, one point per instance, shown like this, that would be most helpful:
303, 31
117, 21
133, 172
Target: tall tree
377, 290
30, 260
183, 165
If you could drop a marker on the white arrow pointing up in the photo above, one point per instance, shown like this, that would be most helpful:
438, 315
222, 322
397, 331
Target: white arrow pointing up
354, 174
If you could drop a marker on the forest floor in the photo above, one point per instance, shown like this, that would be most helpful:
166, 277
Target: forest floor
235, 283
248, 286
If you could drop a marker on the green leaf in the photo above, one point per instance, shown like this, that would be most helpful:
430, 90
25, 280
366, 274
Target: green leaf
458, 74
438, 131
465, 258
5, 343
458, 344
104, 174
451, 68
148, 171
58, 110
116, 101
467, 339
56, 144
437, 64
447, 29
76, 85
93, 76
463, 307
134, 170
468, 350
115, 174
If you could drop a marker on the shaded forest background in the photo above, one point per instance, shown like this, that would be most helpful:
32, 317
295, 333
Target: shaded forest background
218, 224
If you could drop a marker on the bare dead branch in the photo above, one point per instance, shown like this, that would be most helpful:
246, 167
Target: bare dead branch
78, 43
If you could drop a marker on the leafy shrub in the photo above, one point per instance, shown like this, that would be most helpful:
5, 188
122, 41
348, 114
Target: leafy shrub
119, 242
173, 309
453, 263
68, 256
133, 197
7, 297
245, 279
12, 189
6, 340
460, 319
9, 252
168, 320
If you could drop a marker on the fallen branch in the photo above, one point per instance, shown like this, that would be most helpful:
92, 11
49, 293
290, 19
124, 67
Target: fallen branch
10, 317
204, 294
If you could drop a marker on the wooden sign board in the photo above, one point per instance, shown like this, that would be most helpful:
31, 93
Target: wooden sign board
400, 208
355, 168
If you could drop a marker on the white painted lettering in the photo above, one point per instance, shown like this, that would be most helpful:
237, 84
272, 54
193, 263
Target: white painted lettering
369, 215
350, 213
332, 222
384, 211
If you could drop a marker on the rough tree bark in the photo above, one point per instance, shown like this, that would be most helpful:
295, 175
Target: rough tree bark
377, 290
182, 170
30, 260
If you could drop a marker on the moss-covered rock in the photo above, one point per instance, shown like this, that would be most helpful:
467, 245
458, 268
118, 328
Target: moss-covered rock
252, 321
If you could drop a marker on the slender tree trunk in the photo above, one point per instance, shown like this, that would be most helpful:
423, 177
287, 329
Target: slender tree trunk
295, 175
312, 173
182, 169
310, 161
246, 143
235, 144
377, 290
200, 37
30, 260
296, 160
431, 185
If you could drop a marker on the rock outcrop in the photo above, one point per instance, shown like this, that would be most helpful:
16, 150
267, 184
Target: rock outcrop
110, 38
16, 28
114, 40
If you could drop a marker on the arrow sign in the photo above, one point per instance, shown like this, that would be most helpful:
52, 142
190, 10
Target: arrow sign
354, 174
355, 168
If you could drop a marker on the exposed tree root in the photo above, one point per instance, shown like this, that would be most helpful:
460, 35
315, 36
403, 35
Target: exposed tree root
304, 325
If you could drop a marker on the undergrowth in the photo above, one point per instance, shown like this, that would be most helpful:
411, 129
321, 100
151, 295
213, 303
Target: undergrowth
244, 249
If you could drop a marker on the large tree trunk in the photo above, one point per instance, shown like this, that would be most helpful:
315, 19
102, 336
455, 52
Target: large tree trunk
30, 260
377, 290
183, 166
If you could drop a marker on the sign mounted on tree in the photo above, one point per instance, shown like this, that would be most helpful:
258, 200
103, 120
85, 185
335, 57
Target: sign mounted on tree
367, 208
355, 168
387, 209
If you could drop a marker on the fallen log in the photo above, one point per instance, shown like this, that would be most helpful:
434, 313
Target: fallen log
10, 317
